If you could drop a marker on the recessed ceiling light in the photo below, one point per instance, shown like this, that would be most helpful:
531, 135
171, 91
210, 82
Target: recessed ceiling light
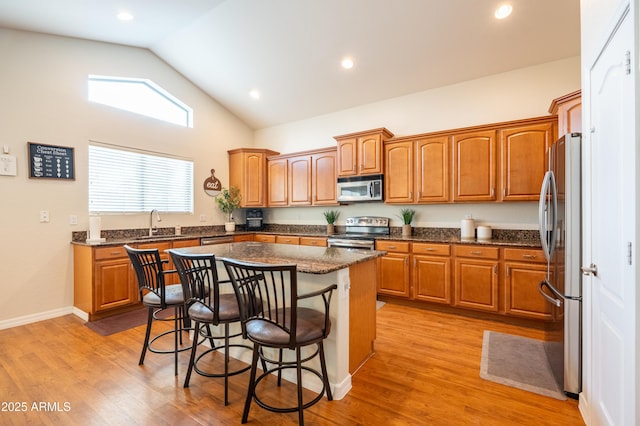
347, 63
125, 16
255, 94
503, 11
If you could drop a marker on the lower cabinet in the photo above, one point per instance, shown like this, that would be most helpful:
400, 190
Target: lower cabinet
313, 241
523, 271
476, 278
393, 268
431, 277
265, 238
104, 281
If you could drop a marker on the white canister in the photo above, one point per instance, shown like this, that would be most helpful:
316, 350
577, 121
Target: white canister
467, 229
484, 232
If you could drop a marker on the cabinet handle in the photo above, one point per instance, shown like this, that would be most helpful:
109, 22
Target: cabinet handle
392, 247
508, 270
529, 256
495, 269
477, 253
504, 192
493, 192
114, 253
430, 249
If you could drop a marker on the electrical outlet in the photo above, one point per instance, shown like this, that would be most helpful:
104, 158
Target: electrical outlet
203, 218
73, 219
44, 216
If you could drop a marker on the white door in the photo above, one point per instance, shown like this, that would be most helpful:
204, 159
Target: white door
610, 198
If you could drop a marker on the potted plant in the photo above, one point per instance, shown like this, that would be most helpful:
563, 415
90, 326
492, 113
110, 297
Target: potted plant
228, 200
407, 217
331, 216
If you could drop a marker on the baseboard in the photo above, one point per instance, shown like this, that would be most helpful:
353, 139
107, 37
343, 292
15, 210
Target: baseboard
28, 319
80, 314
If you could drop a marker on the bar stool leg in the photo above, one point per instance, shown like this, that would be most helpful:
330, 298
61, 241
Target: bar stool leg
146, 336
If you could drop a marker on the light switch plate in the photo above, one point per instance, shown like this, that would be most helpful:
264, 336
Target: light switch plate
8, 165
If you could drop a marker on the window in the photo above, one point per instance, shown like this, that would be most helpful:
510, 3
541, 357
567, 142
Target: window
140, 96
126, 181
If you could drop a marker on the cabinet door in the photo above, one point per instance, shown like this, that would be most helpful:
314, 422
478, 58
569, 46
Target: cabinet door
398, 177
432, 279
265, 238
474, 158
522, 298
393, 275
369, 154
524, 160
277, 182
324, 176
476, 284
347, 152
432, 172
299, 169
115, 285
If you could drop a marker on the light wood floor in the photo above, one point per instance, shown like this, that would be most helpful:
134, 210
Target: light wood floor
425, 372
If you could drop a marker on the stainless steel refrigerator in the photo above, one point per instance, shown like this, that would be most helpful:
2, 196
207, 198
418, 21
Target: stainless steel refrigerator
561, 238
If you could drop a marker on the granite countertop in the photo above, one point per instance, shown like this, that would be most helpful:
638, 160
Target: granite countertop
309, 259
501, 237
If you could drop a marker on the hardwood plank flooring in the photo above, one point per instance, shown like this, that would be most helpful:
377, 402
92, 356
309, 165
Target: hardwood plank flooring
425, 372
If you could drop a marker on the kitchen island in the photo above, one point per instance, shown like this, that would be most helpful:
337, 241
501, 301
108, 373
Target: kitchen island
353, 305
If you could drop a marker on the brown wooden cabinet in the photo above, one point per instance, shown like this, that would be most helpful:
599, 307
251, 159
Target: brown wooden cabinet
417, 170
323, 177
104, 280
431, 275
569, 111
288, 239
523, 159
476, 278
278, 186
265, 238
474, 166
394, 268
243, 237
313, 241
361, 153
247, 171
523, 271
302, 179
299, 169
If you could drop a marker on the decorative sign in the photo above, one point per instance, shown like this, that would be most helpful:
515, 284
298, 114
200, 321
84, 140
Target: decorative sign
51, 162
212, 185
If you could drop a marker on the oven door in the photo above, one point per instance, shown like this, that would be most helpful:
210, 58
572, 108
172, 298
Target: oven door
351, 243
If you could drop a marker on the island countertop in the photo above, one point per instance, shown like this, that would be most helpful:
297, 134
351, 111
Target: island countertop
311, 260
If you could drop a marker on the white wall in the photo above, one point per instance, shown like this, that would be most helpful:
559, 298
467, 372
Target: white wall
513, 95
44, 99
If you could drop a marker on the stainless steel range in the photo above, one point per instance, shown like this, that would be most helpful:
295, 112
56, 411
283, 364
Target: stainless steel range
361, 233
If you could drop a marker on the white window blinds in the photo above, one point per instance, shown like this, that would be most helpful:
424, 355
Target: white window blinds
125, 181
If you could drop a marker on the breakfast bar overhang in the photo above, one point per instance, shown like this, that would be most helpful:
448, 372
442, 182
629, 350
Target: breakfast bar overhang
353, 305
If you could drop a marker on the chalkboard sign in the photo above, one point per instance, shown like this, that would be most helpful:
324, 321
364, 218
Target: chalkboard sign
51, 162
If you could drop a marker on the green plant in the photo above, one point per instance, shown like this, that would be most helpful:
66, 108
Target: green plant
331, 216
407, 215
228, 200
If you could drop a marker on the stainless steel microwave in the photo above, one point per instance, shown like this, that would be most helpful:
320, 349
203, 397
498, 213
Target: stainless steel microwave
360, 188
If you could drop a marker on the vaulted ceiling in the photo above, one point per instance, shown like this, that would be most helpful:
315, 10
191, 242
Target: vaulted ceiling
291, 50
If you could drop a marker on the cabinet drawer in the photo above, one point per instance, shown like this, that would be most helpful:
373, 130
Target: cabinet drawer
524, 255
478, 252
395, 246
265, 238
284, 239
185, 243
160, 246
432, 249
313, 241
110, 252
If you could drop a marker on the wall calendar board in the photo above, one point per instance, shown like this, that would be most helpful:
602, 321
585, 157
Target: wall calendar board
51, 162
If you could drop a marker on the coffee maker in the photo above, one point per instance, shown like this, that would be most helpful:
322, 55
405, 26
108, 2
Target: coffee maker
254, 220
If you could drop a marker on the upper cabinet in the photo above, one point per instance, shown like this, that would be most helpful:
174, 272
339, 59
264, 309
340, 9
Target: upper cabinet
490, 163
568, 108
523, 152
474, 166
361, 153
302, 179
247, 171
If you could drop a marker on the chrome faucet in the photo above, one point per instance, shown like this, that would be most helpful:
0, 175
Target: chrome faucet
152, 229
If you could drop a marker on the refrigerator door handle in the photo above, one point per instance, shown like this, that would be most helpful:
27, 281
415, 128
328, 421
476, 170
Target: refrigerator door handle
554, 301
544, 208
